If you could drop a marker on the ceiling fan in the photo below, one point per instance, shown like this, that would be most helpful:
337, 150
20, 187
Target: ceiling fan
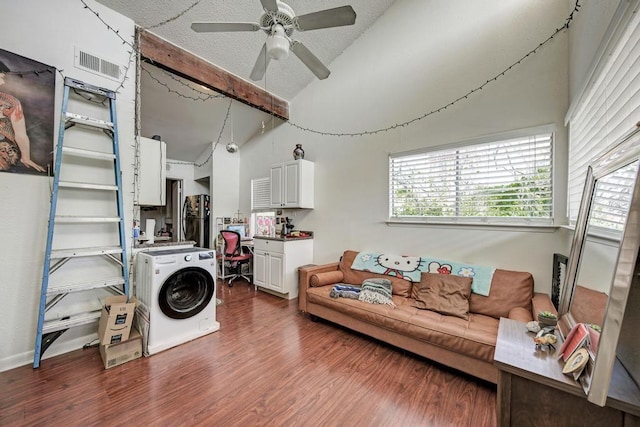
279, 21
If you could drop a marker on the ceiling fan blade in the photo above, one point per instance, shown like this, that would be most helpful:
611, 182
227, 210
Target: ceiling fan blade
217, 27
260, 67
310, 60
270, 5
336, 17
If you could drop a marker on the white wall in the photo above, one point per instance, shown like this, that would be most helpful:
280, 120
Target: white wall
223, 169
47, 31
585, 38
418, 57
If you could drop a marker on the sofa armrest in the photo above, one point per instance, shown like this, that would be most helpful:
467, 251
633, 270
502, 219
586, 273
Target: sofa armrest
541, 302
304, 277
520, 314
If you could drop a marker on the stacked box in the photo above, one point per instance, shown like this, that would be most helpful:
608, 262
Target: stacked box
122, 352
116, 319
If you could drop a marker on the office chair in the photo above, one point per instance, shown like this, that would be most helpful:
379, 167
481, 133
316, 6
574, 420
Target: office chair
233, 256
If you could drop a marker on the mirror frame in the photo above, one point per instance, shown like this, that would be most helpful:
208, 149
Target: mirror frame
622, 153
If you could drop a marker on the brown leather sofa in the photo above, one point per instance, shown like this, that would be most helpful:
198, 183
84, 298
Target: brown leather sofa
466, 345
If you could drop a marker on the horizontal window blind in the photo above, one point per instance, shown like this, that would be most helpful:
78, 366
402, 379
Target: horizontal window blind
612, 200
502, 179
260, 193
608, 110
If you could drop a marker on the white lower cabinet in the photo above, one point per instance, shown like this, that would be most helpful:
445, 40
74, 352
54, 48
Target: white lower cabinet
276, 262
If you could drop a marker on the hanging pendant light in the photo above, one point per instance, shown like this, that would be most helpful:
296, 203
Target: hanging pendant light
232, 147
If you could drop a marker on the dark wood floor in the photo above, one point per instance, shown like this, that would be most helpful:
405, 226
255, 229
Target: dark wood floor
268, 365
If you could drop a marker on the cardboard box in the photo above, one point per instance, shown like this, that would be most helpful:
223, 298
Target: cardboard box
117, 354
116, 319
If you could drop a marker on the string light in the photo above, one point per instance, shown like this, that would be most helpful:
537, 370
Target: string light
26, 73
166, 21
452, 103
205, 97
224, 124
566, 25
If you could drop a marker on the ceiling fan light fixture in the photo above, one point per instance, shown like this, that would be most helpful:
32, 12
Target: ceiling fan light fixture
278, 44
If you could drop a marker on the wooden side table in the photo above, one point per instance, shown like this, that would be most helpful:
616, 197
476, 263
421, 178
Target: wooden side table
533, 391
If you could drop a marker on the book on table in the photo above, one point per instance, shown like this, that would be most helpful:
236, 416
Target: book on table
577, 338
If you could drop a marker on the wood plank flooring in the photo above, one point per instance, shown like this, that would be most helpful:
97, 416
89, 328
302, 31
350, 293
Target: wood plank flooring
268, 365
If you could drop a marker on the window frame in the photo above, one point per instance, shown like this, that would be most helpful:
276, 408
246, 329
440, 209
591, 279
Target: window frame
483, 221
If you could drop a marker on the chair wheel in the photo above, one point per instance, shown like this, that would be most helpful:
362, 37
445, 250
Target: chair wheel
231, 285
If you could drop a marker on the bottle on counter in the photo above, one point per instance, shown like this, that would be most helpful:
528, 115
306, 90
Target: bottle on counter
136, 230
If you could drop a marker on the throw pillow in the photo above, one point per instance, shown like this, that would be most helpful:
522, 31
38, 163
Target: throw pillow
444, 293
376, 291
325, 278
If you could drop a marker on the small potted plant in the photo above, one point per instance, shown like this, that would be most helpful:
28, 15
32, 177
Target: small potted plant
547, 318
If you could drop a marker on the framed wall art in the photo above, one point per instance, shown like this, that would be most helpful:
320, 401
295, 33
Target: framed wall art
27, 98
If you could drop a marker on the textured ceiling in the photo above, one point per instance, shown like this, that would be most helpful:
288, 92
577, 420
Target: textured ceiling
188, 126
237, 52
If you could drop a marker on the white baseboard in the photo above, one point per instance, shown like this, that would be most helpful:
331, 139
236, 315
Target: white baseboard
56, 349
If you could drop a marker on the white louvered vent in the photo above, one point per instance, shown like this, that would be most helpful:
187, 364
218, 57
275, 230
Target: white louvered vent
90, 62
260, 193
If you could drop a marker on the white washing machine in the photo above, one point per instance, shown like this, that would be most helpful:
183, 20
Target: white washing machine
178, 288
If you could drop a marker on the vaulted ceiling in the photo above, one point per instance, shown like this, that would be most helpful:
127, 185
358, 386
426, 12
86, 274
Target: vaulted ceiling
188, 125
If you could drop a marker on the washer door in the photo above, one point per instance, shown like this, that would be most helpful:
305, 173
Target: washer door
186, 293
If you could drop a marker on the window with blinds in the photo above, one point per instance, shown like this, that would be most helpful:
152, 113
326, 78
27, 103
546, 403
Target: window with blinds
260, 194
604, 113
503, 181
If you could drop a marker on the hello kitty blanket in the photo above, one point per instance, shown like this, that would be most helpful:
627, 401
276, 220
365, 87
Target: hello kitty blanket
410, 268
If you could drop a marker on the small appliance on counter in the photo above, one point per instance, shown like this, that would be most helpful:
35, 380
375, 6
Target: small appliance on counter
287, 227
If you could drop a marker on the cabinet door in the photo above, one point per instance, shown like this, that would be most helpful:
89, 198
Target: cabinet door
152, 172
291, 187
260, 268
276, 272
277, 182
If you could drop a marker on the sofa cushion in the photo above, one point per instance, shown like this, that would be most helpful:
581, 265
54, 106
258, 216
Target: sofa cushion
444, 293
399, 286
509, 289
475, 337
326, 278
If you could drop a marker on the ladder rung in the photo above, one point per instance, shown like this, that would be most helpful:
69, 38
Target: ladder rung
88, 121
85, 219
86, 87
79, 152
84, 286
87, 186
74, 320
82, 252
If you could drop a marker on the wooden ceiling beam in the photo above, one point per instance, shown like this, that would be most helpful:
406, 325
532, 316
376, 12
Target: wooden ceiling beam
176, 60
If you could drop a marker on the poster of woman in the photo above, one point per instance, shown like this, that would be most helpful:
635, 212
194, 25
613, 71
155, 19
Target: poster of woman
27, 97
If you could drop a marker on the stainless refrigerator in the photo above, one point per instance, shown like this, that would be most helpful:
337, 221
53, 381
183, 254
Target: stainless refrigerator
196, 219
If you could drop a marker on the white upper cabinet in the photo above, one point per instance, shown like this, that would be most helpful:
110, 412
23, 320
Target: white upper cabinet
292, 184
152, 174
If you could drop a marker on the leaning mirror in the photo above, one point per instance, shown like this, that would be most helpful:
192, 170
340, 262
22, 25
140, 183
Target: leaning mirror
601, 282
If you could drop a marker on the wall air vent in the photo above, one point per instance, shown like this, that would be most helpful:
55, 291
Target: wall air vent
90, 62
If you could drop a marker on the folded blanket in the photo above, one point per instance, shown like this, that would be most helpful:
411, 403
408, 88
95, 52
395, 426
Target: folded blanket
343, 290
376, 291
482, 275
392, 265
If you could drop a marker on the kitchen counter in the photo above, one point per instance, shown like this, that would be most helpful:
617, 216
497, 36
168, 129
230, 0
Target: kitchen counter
287, 238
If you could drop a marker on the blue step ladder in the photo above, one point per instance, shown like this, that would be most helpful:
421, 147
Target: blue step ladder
49, 330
